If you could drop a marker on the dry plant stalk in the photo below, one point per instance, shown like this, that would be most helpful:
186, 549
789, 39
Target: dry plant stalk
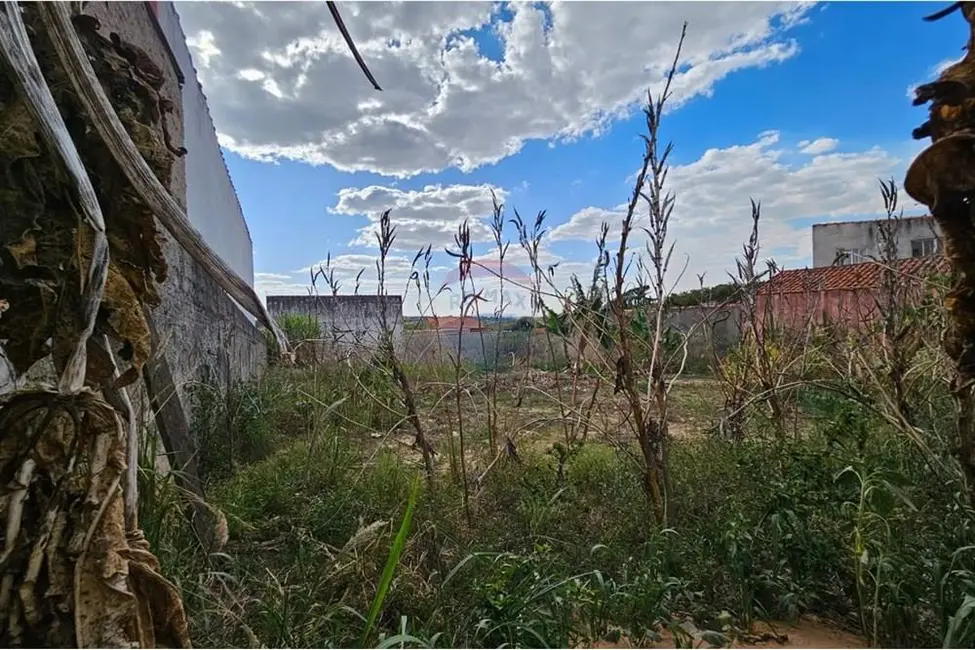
75, 571
758, 324
57, 20
530, 241
493, 414
385, 238
464, 256
73, 576
942, 177
900, 339
649, 418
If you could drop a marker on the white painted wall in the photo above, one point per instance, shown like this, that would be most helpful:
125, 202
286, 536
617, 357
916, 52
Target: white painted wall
829, 238
212, 204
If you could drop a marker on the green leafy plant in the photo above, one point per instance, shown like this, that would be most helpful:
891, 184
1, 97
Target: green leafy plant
389, 571
876, 497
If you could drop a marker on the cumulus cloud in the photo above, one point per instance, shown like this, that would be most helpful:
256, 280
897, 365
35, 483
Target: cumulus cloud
818, 146
711, 217
271, 277
350, 271
282, 84
280, 284
430, 215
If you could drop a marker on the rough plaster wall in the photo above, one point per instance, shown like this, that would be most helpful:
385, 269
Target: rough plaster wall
797, 311
206, 338
829, 237
346, 322
706, 327
213, 208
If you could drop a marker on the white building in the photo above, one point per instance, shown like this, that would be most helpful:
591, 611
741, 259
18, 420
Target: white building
852, 242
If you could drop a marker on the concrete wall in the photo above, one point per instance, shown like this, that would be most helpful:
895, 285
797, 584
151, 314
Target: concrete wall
708, 330
212, 204
206, 337
798, 311
864, 236
704, 326
346, 322
479, 348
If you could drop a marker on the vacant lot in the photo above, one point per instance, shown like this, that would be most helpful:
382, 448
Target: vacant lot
543, 534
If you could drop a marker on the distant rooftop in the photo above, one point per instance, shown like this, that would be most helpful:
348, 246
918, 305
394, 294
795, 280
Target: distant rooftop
868, 275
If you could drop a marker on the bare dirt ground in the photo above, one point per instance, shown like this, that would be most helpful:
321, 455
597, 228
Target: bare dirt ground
805, 633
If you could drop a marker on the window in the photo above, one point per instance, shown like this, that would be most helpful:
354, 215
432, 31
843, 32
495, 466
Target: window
925, 247
847, 256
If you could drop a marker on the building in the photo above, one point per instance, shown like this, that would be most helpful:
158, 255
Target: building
852, 242
847, 295
470, 323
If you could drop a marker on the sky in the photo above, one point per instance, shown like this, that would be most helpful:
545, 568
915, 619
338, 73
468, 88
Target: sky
803, 107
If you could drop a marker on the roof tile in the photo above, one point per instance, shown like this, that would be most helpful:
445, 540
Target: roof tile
867, 275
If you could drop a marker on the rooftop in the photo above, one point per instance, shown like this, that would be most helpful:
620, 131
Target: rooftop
868, 275
924, 217
452, 322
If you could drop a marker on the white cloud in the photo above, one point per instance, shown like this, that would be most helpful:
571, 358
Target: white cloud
271, 277
933, 73
430, 215
712, 214
282, 84
818, 146
204, 47
278, 284
345, 269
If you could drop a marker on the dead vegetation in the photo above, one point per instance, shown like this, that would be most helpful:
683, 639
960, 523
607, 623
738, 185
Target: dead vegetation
602, 501
941, 177
80, 261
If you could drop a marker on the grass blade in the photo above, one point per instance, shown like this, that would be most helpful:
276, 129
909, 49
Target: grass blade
391, 563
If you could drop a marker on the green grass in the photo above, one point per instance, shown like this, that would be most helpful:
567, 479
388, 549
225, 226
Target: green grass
333, 541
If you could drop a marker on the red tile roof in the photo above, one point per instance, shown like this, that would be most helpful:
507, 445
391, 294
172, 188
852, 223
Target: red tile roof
868, 275
452, 322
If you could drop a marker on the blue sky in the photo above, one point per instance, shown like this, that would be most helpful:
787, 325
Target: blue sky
801, 108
